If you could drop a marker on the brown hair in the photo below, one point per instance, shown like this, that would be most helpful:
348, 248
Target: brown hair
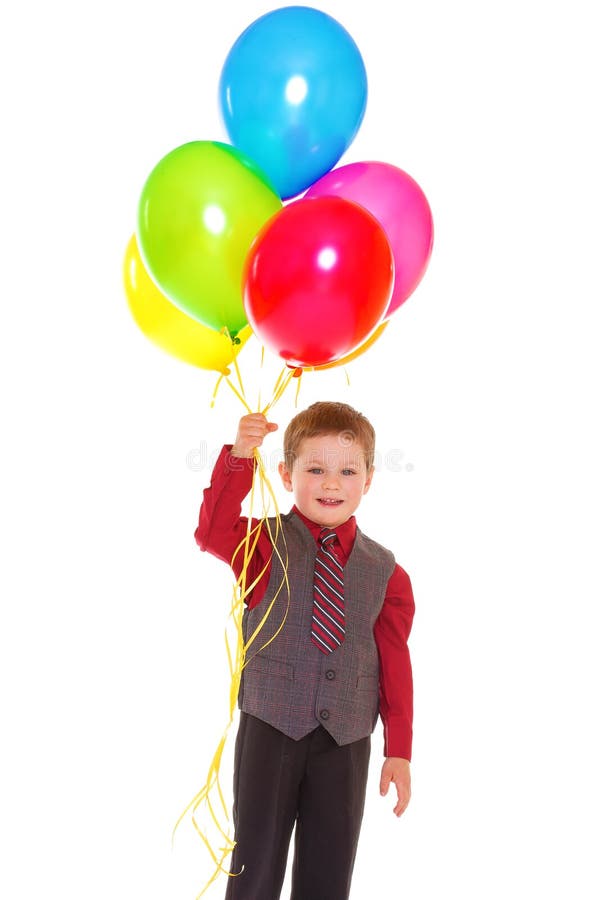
327, 417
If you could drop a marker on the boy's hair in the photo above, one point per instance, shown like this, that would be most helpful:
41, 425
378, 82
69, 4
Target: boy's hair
327, 417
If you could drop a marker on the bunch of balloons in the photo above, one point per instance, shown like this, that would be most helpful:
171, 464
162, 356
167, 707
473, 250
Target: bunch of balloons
226, 245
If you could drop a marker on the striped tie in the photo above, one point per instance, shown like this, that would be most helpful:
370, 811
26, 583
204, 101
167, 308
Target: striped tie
328, 608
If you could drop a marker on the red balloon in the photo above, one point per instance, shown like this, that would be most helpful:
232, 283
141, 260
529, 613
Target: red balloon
318, 279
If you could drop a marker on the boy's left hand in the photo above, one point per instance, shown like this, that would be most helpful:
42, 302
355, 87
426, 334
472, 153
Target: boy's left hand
397, 770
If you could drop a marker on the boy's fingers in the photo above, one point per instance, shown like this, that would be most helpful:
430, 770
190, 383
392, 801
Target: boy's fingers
403, 799
401, 804
257, 423
257, 417
256, 427
384, 784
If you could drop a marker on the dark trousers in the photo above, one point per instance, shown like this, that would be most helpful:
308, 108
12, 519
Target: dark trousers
312, 783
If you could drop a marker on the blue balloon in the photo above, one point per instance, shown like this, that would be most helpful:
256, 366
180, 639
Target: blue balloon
293, 93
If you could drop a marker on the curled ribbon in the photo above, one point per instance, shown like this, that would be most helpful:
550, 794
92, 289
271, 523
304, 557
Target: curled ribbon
237, 651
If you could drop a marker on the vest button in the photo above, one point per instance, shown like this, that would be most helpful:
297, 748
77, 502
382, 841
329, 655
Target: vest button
324, 714
330, 675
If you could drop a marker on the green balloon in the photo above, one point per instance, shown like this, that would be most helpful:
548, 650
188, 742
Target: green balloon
200, 209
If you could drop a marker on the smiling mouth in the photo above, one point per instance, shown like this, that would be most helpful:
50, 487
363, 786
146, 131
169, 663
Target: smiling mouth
329, 502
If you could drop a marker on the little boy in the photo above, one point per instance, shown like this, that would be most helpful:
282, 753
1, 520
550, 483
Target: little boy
310, 697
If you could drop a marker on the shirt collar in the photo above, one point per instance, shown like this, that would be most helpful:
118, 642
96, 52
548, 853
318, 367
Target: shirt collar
346, 532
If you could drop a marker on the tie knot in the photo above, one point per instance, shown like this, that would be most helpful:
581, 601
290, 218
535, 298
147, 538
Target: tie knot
327, 536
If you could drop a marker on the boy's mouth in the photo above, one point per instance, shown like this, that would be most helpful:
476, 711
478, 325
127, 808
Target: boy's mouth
327, 501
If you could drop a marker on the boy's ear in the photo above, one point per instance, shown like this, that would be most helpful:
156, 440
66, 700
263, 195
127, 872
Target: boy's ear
369, 480
285, 476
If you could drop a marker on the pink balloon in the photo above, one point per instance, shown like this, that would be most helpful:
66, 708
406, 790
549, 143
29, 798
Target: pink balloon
401, 208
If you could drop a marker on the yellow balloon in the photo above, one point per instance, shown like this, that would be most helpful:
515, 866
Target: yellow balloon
358, 351
170, 328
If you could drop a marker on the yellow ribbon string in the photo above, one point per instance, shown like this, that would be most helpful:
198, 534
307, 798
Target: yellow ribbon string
298, 390
262, 365
217, 386
238, 394
237, 654
285, 376
239, 376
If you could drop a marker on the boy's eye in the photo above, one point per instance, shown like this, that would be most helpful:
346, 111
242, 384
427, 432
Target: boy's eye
316, 471
348, 472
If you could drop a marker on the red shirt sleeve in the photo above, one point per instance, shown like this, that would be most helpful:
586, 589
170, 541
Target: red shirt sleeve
392, 629
221, 527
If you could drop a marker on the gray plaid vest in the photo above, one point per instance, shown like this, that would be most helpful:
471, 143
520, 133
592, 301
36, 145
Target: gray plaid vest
290, 683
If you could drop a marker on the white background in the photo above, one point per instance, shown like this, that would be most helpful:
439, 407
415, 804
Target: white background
485, 385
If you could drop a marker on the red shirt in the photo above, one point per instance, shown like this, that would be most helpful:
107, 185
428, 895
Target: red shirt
220, 530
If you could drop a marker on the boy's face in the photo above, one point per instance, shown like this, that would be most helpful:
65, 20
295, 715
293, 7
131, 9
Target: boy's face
328, 478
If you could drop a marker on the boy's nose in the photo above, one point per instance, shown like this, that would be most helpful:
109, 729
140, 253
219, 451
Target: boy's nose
331, 482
